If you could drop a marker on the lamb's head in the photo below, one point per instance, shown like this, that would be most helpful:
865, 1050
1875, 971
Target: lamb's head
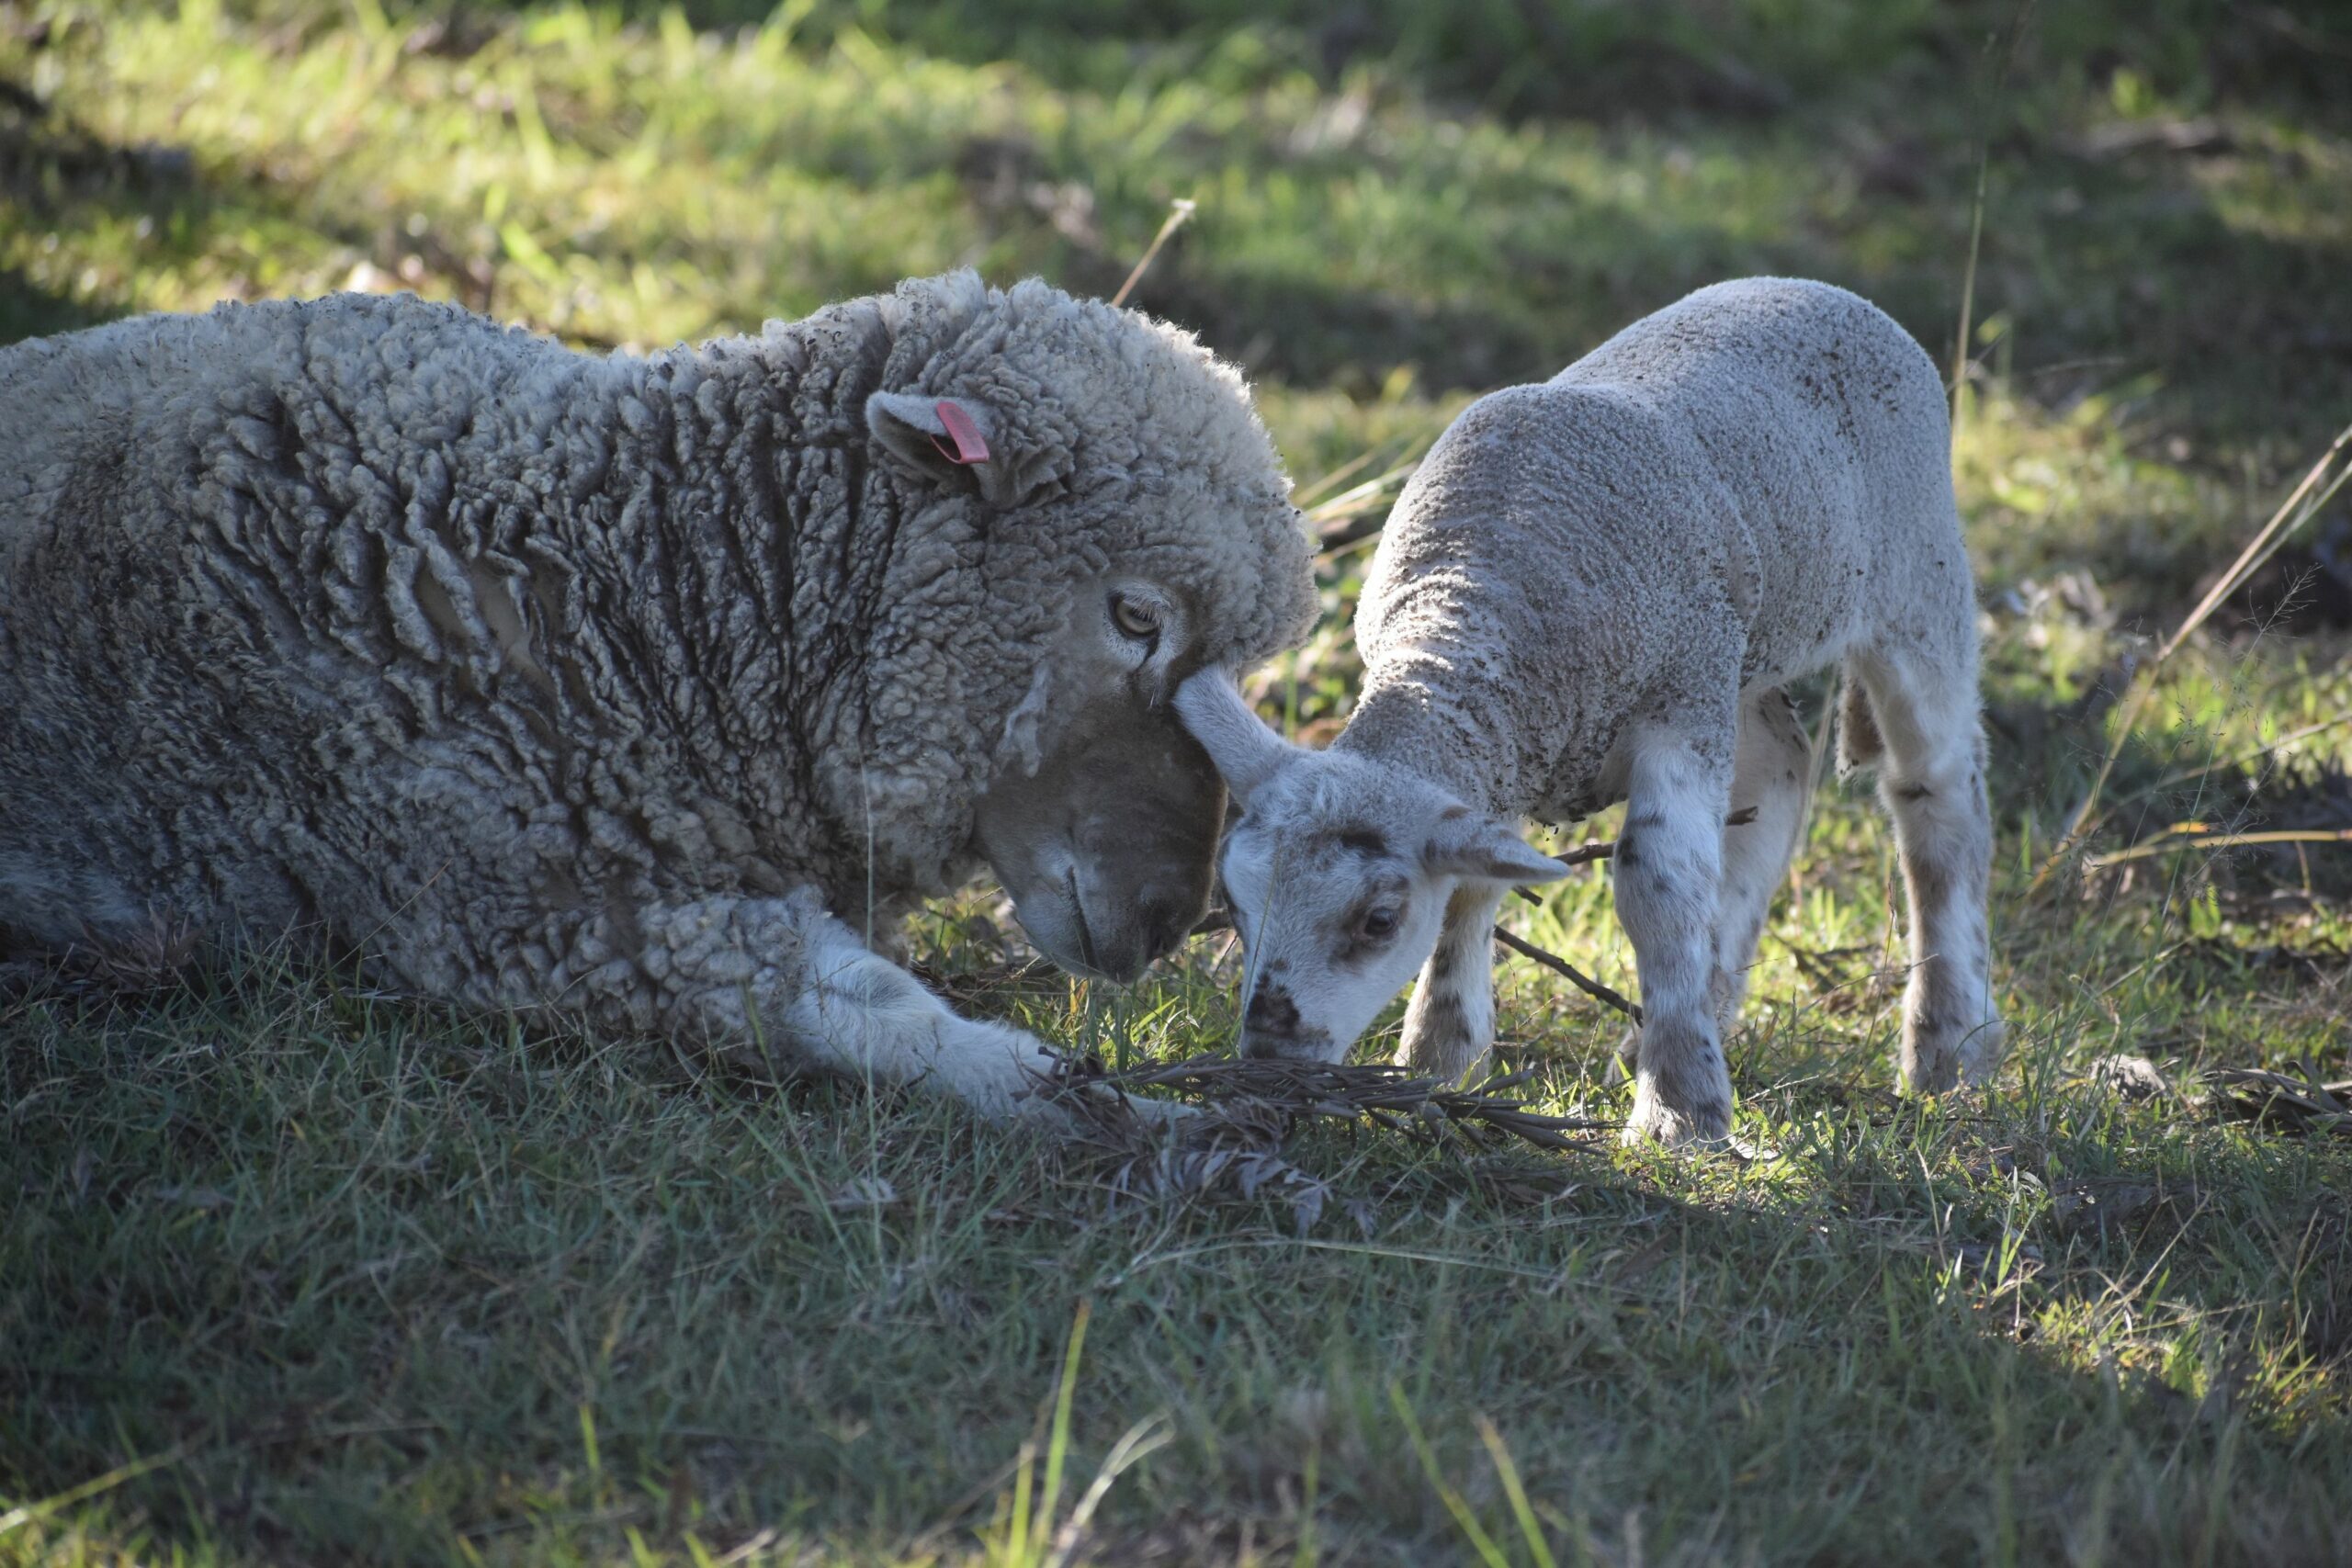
1338, 872
1110, 515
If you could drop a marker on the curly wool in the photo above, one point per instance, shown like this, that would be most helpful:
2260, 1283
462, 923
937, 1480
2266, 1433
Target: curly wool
369, 621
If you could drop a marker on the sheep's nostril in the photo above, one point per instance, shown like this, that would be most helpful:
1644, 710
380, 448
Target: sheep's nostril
1163, 931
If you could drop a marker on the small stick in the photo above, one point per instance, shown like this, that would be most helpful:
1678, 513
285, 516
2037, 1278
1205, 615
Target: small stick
1603, 848
1597, 849
1574, 975
2189, 776
1179, 211
1309, 494
2194, 841
1420, 1107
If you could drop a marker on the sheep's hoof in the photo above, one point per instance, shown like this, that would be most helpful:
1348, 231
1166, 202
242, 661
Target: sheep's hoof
1653, 1121
1454, 1065
1981, 1053
1953, 1061
1090, 1109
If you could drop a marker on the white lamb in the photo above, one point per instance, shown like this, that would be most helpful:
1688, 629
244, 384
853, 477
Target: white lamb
1595, 590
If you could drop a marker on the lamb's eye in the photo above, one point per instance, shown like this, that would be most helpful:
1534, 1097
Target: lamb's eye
1378, 923
1138, 618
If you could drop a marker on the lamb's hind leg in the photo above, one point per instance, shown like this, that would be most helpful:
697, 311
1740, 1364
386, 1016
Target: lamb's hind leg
1931, 780
1451, 1022
1668, 869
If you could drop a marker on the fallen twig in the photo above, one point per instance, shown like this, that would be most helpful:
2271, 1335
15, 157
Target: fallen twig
2190, 776
1232, 1146
1575, 976
2197, 839
1424, 1108
2296, 1105
1590, 850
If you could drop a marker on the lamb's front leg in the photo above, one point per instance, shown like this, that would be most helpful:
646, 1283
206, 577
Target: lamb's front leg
1450, 1022
1668, 870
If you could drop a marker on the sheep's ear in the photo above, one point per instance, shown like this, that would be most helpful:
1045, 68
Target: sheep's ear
1469, 845
938, 438
955, 444
1246, 753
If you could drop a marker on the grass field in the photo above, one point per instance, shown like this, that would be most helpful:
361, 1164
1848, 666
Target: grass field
292, 1271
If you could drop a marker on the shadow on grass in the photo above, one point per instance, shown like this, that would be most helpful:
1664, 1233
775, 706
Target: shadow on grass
385, 1280
158, 207
2103, 260
1726, 59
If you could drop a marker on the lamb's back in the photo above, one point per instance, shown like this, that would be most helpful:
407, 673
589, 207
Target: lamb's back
1727, 491
1560, 548
1824, 422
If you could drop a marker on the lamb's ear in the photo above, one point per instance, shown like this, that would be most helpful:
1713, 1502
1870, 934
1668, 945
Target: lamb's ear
1246, 753
1469, 845
957, 444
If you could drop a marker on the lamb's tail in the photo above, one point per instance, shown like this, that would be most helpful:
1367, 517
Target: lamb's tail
1859, 742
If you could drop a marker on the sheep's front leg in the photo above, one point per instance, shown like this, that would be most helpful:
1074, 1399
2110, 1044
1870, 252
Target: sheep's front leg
1771, 780
784, 973
857, 1013
1450, 1022
1669, 870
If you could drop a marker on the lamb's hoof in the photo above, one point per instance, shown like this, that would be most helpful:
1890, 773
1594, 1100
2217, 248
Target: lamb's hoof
1981, 1053
1954, 1063
1447, 1068
1653, 1121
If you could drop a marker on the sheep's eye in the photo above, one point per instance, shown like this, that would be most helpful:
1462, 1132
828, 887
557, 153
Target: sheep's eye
1136, 617
1378, 923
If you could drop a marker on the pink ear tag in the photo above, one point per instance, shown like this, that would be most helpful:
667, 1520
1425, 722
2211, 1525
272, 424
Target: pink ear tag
969, 447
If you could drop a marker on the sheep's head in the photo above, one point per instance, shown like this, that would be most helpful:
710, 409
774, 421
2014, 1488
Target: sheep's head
1107, 839
1338, 872
1093, 511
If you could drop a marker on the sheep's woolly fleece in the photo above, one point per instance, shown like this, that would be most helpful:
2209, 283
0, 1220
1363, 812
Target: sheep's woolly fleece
368, 620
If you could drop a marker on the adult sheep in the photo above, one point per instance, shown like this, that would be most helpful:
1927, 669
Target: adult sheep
645, 688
